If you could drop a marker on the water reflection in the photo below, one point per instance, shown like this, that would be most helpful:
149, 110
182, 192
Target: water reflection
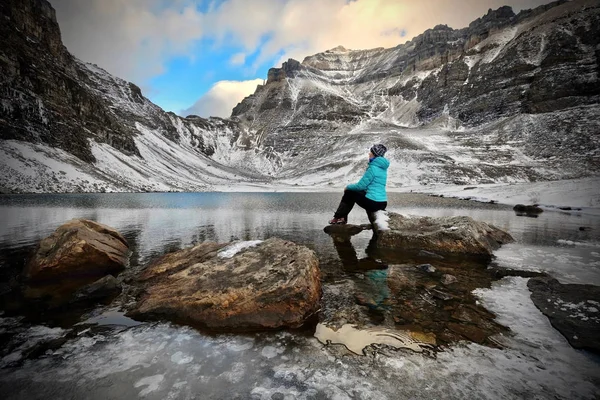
179, 362
156, 223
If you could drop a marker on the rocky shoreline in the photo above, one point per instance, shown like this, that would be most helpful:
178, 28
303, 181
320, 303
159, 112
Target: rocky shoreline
421, 291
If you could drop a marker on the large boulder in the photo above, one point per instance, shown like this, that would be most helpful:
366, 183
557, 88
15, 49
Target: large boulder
243, 286
451, 235
574, 310
79, 248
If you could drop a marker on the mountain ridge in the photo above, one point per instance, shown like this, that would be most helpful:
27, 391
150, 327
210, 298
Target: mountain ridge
510, 98
535, 73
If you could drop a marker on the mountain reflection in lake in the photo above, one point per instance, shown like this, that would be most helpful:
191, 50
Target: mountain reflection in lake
121, 359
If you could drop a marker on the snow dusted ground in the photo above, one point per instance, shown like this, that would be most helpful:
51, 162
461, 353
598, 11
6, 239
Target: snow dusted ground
575, 193
174, 167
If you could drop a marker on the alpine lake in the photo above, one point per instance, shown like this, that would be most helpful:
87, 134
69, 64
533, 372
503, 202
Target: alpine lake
96, 352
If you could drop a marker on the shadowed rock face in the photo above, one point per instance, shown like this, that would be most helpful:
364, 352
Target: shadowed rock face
574, 310
273, 285
454, 235
78, 248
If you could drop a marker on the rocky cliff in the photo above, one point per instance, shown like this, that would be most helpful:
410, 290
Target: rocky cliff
101, 130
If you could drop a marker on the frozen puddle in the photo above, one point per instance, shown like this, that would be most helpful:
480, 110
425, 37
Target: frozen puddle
356, 340
573, 264
159, 361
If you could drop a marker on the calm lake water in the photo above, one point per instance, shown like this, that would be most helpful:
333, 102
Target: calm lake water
166, 361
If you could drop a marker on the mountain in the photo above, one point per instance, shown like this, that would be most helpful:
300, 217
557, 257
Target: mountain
510, 98
66, 125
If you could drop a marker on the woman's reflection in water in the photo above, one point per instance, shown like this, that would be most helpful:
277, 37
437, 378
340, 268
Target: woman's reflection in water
373, 290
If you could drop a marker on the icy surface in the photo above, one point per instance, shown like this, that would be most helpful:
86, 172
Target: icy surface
160, 361
536, 362
235, 248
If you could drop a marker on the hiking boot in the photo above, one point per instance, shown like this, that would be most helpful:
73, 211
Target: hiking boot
338, 221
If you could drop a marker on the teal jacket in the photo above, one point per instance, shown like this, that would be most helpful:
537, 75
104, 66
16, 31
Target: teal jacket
374, 180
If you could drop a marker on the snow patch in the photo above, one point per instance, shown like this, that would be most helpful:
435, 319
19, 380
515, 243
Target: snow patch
152, 384
381, 220
573, 243
237, 247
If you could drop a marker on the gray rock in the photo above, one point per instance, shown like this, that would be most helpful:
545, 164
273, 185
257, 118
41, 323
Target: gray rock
574, 310
426, 268
528, 209
446, 235
448, 279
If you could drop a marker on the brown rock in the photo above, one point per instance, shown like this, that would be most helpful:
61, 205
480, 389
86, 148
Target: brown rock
457, 235
471, 332
78, 248
272, 285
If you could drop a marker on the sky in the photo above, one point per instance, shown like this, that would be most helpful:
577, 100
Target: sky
202, 57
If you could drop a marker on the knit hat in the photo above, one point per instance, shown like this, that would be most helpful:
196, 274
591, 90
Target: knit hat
378, 150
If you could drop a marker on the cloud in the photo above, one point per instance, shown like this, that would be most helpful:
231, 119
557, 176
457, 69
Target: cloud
298, 28
132, 39
238, 59
222, 97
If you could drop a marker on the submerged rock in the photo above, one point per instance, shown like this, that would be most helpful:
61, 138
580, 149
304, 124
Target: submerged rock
78, 248
429, 254
456, 235
448, 279
104, 288
356, 340
574, 310
264, 285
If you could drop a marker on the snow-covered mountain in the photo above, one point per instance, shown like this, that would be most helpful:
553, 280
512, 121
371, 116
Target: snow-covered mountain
66, 125
511, 98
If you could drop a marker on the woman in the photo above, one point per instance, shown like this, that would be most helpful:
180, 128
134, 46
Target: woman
369, 192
